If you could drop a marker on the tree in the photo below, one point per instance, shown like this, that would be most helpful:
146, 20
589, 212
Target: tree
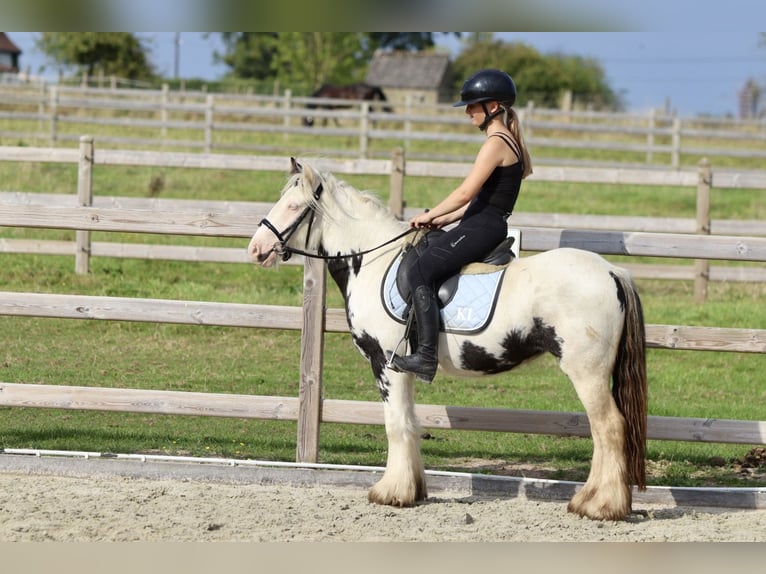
249, 54
113, 53
312, 58
315, 58
539, 78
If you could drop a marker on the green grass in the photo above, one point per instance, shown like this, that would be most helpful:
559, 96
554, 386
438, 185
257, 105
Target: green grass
265, 362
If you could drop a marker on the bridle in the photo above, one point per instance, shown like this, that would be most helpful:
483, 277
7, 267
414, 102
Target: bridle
285, 251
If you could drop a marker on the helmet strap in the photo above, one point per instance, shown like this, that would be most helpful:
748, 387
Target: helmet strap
488, 117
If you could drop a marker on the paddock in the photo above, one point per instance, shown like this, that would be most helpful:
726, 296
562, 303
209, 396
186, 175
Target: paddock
86, 214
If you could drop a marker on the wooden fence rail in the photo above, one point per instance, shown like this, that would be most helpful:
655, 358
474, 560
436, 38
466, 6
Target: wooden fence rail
87, 157
213, 314
208, 122
363, 412
675, 245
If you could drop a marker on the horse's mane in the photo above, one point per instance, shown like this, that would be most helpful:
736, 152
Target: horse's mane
342, 203
355, 203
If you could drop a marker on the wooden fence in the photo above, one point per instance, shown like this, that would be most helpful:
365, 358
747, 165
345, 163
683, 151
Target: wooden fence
309, 409
397, 169
209, 122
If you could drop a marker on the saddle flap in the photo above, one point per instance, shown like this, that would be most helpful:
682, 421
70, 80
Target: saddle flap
466, 299
500, 256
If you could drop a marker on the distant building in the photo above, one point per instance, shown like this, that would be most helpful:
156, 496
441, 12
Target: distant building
425, 76
749, 97
9, 55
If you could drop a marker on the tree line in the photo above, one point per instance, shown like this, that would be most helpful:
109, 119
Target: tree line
306, 60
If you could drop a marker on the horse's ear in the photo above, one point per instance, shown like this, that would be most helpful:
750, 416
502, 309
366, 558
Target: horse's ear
295, 167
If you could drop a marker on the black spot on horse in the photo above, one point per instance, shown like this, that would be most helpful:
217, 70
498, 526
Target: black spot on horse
518, 346
341, 268
371, 349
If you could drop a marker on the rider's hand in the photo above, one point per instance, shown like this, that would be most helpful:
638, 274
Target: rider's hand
421, 220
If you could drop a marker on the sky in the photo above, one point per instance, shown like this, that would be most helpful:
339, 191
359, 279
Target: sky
691, 72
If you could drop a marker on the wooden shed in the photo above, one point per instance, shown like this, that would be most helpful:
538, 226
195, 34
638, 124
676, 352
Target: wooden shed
425, 76
9, 54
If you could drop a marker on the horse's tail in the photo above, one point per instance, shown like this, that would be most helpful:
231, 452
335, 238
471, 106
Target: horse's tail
629, 387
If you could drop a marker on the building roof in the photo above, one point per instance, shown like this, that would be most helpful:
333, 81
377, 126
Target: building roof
7, 46
413, 70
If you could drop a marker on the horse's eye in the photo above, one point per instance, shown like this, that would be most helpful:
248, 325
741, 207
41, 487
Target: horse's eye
293, 206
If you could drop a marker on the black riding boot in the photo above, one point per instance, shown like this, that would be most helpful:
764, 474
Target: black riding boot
424, 360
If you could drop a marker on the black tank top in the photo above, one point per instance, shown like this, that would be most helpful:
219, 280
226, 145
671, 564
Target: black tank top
502, 187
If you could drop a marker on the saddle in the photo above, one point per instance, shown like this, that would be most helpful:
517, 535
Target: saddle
466, 299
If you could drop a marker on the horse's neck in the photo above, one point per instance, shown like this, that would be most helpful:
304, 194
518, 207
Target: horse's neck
371, 226
356, 236
365, 241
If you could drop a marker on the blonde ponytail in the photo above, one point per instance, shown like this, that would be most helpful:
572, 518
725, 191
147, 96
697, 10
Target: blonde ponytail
514, 126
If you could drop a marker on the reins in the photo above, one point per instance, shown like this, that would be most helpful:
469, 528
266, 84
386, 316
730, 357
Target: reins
290, 250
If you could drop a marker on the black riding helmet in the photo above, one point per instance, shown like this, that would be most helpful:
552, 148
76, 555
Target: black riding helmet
487, 85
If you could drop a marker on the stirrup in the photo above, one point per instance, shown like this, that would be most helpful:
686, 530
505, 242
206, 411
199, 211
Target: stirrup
393, 354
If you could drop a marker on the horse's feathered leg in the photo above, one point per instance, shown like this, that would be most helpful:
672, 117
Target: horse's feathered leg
617, 417
404, 481
606, 494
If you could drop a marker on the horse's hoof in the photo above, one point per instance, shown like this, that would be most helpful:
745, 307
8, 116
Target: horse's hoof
587, 504
381, 493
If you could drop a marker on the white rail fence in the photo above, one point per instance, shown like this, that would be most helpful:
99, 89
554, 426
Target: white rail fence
309, 409
224, 122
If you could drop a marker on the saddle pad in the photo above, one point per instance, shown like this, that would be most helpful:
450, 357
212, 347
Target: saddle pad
470, 309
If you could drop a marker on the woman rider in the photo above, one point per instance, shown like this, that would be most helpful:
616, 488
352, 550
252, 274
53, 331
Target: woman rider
482, 203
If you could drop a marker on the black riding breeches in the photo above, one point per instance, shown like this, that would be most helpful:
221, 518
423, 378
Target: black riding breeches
473, 238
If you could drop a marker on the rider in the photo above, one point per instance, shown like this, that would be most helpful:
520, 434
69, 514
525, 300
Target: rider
482, 203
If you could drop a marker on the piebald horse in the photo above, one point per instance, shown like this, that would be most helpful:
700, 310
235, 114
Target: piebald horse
567, 302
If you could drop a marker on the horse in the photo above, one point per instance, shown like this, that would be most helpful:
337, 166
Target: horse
359, 91
568, 302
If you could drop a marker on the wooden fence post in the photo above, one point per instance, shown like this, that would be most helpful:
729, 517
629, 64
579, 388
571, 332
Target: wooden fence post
650, 135
209, 123
312, 352
702, 266
41, 106
164, 112
525, 117
675, 154
396, 189
408, 104
287, 104
364, 123
84, 199
54, 105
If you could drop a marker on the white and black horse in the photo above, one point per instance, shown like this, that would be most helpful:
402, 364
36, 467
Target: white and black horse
567, 302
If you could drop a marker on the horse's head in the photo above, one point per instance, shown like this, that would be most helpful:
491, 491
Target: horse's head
289, 221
